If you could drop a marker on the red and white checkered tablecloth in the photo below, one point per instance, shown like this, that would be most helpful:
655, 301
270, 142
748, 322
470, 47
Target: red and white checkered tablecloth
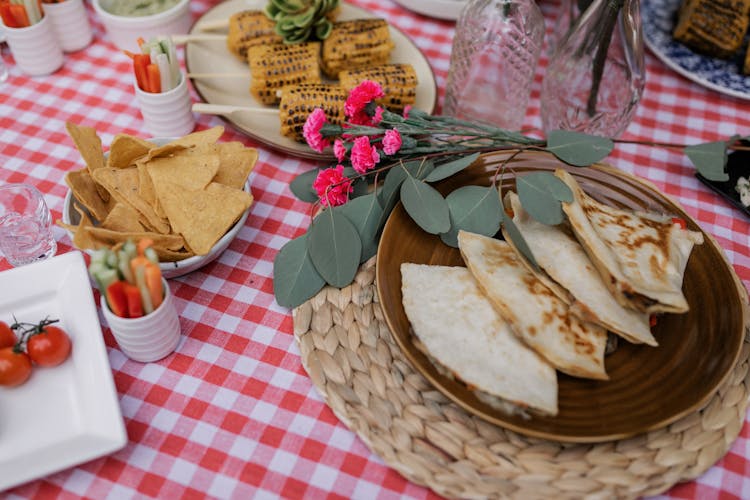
232, 413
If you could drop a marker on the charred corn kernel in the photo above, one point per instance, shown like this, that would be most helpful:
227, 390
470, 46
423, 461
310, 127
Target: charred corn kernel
273, 67
248, 28
356, 44
297, 102
713, 27
399, 83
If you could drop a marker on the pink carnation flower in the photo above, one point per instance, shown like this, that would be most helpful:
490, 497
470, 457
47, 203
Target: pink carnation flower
311, 130
364, 156
378, 115
332, 187
391, 141
360, 96
407, 108
339, 149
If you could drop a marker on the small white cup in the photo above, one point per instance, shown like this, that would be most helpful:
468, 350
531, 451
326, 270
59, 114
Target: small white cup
167, 114
150, 337
35, 48
71, 23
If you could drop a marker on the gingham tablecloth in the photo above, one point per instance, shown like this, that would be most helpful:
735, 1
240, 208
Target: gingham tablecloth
232, 413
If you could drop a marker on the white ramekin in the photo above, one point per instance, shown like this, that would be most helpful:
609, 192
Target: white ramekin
123, 31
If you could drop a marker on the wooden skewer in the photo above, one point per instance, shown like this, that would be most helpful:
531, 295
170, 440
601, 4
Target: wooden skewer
198, 37
228, 109
202, 76
218, 24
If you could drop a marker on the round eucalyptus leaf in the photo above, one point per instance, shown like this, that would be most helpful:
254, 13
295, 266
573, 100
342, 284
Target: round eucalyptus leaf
364, 213
515, 236
541, 194
710, 159
334, 247
295, 279
577, 149
425, 205
301, 186
476, 209
447, 169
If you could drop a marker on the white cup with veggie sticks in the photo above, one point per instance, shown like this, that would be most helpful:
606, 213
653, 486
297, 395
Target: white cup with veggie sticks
71, 23
31, 37
161, 89
136, 301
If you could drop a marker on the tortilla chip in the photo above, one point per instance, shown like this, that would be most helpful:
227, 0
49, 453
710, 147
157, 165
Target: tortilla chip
167, 255
146, 186
110, 238
85, 192
122, 183
89, 145
236, 163
122, 218
203, 216
189, 171
126, 149
81, 238
208, 136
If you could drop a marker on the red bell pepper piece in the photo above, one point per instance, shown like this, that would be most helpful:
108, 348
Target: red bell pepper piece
118, 302
680, 222
133, 298
9, 19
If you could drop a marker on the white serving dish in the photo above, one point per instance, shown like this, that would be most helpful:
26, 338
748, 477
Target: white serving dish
68, 414
181, 267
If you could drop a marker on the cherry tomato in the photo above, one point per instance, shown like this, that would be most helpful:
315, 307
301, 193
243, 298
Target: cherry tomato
49, 347
7, 337
15, 367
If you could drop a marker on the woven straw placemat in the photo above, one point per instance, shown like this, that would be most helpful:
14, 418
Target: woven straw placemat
354, 362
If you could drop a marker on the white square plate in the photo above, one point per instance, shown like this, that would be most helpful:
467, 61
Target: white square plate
68, 414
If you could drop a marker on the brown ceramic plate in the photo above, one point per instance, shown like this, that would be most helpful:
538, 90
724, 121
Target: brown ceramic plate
649, 387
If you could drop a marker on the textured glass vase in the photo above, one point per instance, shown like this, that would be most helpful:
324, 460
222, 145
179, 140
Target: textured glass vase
596, 74
495, 54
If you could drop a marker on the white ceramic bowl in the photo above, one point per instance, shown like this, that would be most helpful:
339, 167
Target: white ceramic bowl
124, 31
180, 267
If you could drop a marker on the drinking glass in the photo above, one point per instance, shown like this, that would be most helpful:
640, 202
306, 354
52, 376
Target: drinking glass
25, 225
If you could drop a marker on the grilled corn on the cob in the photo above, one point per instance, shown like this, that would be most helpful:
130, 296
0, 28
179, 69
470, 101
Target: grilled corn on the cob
399, 83
297, 102
248, 28
713, 27
356, 44
273, 67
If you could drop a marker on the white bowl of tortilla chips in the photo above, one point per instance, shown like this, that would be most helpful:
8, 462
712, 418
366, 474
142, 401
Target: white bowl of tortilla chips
190, 195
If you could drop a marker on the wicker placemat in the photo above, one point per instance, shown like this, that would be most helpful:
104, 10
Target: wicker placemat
354, 362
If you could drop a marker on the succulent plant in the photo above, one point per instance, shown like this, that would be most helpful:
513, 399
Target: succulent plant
302, 20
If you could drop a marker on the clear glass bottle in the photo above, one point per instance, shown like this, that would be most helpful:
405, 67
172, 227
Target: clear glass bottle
494, 57
596, 75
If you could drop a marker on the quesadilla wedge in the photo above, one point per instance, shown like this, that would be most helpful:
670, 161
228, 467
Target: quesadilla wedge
535, 314
640, 256
466, 339
563, 260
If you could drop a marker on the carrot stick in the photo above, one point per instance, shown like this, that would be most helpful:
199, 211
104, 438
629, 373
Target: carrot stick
154, 78
143, 244
140, 62
19, 12
153, 283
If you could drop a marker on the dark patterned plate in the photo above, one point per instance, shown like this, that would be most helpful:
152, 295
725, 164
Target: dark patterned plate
721, 75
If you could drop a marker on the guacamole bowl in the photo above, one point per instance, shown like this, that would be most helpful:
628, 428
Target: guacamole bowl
126, 20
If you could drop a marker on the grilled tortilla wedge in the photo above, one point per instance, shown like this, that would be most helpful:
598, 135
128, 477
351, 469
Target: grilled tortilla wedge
466, 339
536, 315
563, 260
640, 256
